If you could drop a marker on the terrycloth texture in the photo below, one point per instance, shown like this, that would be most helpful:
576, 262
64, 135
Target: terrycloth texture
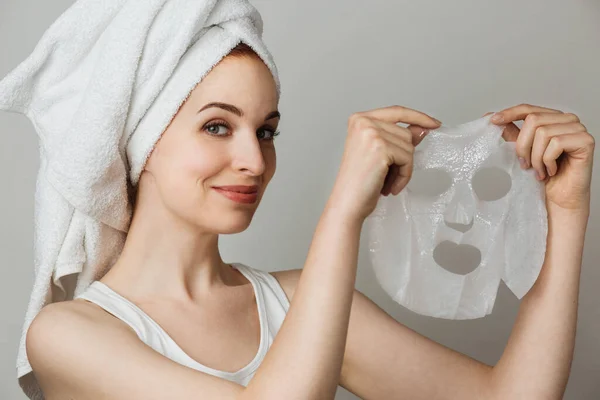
100, 87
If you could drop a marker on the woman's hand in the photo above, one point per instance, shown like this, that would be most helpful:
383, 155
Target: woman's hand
378, 157
559, 148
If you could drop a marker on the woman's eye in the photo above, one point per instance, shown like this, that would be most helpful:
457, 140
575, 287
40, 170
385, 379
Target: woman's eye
213, 128
273, 133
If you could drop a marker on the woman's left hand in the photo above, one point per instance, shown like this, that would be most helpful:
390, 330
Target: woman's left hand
558, 146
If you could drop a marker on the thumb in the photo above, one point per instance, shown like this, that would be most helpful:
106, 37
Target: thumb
418, 133
510, 132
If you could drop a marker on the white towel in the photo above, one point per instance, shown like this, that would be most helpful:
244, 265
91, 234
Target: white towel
100, 87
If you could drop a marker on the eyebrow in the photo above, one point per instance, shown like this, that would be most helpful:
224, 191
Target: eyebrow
233, 109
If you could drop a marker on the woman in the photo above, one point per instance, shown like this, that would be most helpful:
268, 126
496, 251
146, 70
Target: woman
332, 334
171, 319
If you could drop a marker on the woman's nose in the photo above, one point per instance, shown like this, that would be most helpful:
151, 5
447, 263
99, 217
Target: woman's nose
249, 156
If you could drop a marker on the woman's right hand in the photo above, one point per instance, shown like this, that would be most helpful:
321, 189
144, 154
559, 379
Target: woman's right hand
378, 157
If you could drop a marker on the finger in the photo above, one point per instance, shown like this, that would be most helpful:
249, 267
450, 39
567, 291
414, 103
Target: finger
411, 134
396, 114
400, 171
418, 133
401, 167
389, 180
395, 137
532, 122
404, 160
396, 132
510, 132
569, 143
542, 138
518, 113
398, 138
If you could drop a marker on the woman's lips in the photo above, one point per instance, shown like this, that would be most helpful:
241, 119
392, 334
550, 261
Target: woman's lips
245, 198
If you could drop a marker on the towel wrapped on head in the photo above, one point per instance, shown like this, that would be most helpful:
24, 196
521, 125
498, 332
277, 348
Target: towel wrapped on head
100, 87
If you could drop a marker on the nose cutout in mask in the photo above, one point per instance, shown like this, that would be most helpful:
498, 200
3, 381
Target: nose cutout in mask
469, 204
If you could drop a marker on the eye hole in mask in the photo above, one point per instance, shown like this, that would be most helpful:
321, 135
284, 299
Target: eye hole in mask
491, 183
429, 182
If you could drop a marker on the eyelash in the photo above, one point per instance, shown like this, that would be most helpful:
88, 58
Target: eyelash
225, 124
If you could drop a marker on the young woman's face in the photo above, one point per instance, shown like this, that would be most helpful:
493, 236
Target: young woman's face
207, 146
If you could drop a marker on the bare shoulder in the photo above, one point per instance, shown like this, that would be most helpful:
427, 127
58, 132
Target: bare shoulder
57, 320
61, 333
288, 279
66, 321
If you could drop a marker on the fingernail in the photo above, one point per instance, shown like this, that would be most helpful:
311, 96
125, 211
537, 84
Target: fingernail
438, 121
523, 163
497, 118
538, 176
423, 133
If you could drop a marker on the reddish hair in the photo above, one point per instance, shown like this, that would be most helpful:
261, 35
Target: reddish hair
243, 50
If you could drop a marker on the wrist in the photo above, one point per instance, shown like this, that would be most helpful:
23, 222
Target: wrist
343, 216
342, 205
578, 215
566, 233
339, 211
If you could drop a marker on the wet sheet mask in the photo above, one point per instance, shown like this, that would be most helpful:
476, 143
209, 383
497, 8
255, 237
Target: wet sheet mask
509, 229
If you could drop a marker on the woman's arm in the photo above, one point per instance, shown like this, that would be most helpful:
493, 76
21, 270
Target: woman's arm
537, 358
387, 360
317, 320
306, 357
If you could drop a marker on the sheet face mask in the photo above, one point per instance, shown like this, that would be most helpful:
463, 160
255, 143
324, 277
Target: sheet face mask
509, 231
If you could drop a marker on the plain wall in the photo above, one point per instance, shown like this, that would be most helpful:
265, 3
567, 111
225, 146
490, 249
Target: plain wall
455, 60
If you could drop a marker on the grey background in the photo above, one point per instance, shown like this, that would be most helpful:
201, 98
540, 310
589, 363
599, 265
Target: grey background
455, 60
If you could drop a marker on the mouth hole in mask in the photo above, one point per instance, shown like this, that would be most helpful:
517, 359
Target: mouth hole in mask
491, 183
459, 259
429, 182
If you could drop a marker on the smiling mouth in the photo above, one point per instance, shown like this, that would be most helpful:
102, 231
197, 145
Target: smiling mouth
239, 189
244, 198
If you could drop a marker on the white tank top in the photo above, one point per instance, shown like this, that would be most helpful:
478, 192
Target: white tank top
272, 308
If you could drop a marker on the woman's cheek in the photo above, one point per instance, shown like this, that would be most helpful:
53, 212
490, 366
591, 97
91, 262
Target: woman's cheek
203, 163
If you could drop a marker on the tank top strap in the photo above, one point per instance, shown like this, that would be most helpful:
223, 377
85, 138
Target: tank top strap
268, 282
119, 306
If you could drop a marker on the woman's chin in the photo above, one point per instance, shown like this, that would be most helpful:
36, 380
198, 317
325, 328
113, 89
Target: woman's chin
234, 222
